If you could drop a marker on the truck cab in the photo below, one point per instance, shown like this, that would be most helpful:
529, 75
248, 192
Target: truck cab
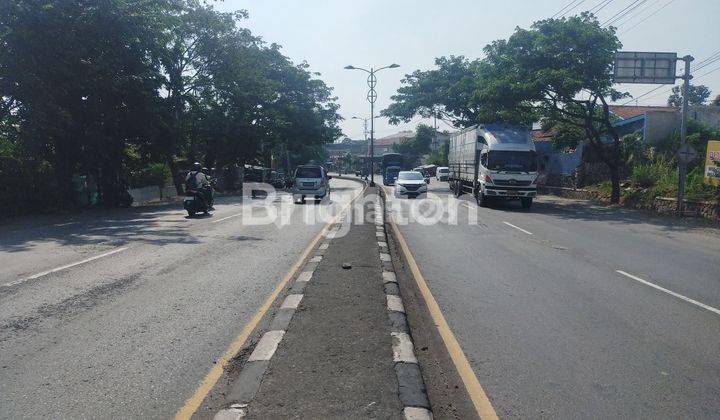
390, 175
494, 161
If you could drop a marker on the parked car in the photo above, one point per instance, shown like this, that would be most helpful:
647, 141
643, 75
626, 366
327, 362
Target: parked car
442, 173
410, 184
310, 181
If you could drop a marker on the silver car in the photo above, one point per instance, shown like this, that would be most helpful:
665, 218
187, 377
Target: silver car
410, 184
310, 181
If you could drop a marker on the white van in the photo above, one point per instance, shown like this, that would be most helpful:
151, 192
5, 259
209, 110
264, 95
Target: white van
442, 173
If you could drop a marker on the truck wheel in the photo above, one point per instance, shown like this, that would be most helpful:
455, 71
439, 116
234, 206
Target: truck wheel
526, 202
480, 198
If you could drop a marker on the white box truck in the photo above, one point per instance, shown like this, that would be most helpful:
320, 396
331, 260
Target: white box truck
494, 161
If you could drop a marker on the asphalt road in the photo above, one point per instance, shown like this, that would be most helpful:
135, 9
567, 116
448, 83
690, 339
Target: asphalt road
140, 305
551, 327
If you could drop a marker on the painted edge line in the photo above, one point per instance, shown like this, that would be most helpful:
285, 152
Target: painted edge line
518, 228
670, 292
195, 400
482, 403
64, 267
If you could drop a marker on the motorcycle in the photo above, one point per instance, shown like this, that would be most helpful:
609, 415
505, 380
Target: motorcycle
194, 202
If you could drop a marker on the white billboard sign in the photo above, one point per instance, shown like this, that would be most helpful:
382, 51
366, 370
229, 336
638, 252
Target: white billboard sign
645, 67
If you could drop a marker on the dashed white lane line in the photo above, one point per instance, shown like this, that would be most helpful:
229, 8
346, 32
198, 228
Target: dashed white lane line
226, 217
518, 228
291, 302
267, 345
316, 259
64, 267
402, 347
670, 292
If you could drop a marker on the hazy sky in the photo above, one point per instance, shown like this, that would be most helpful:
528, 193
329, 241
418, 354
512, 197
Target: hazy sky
330, 34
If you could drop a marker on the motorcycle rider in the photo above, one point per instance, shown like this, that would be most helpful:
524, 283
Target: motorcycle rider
196, 179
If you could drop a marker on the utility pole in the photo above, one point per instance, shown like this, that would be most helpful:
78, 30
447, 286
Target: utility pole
682, 162
372, 97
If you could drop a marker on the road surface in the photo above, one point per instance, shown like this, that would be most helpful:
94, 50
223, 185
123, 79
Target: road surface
122, 313
572, 310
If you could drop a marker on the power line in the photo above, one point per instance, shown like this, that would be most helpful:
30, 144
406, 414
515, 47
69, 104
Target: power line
640, 11
704, 63
624, 12
648, 16
563, 8
570, 9
600, 6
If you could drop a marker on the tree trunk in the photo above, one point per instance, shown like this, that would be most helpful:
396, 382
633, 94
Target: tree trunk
615, 180
175, 176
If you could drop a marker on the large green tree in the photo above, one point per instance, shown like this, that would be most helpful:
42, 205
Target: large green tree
560, 71
444, 92
111, 89
82, 80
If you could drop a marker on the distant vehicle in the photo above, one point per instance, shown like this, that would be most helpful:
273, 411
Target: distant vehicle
410, 184
442, 173
310, 181
390, 174
494, 161
391, 165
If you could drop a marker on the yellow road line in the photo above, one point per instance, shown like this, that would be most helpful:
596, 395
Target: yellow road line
480, 400
207, 384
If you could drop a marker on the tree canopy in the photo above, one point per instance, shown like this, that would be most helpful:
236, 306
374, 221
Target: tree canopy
102, 89
697, 95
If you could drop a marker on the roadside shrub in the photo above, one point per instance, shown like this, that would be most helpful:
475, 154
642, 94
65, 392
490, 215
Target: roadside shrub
657, 170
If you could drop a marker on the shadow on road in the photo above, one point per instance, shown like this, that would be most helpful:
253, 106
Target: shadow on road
158, 225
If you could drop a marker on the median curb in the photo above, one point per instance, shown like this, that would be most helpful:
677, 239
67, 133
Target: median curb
253, 370
411, 386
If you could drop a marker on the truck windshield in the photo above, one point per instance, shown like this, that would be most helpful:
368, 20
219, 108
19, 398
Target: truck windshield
512, 161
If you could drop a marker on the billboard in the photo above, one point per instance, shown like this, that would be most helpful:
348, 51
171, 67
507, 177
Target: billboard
712, 163
645, 67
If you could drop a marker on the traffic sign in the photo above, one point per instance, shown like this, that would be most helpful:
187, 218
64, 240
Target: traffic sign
686, 153
645, 67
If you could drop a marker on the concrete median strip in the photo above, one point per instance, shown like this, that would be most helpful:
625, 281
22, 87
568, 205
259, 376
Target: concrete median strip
411, 387
248, 382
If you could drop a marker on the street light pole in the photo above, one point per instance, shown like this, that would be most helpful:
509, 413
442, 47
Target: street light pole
372, 97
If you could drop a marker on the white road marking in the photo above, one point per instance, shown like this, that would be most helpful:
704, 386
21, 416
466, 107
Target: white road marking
316, 259
394, 303
64, 267
227, 217
402, 347
670, 292
324, 245
389, 277
417, 413
291, 302
384, 257
305, 276
267, 345
518, 228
